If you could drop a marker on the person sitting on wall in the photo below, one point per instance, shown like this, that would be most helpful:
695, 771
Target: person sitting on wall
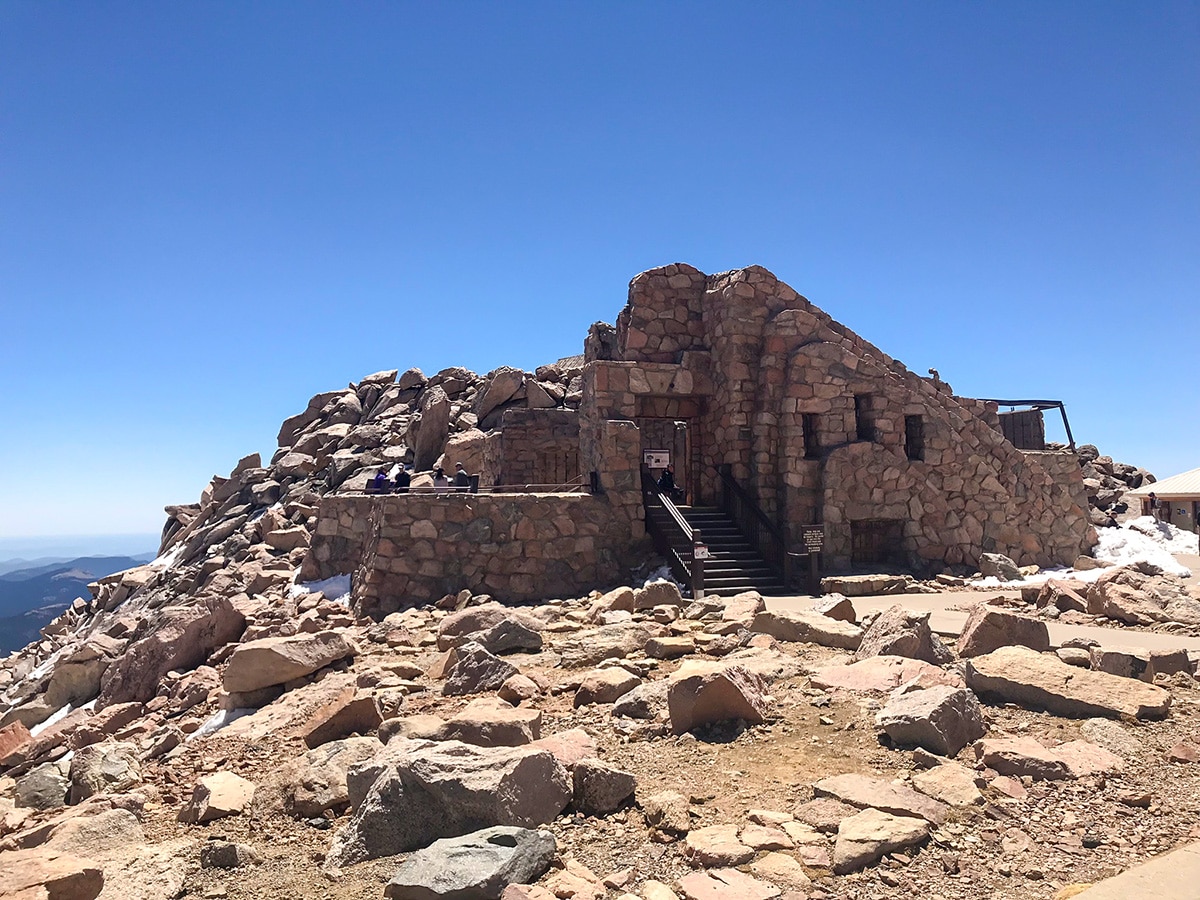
441, 484
666, 484
462, 481
403, 480
378, 484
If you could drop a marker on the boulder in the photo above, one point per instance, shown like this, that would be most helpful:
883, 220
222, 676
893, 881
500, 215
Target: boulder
347, 714
867, 837
615, 641
657, 593
278, 660
39, 874
605, 686
1061, 595
429, 428
315, 784
701, 692
646, 701
883, 674
476, 866
1022, 756
465, 625
726, 884
501, 385
99, 768
44, 786
667, 812
568, 747
950, 783
471, 669
989, 628
14, 738
180, 637
491, 722
900, 632
415, 792
1140, 664
510, 635
941, 719
836, 606
810, 627
518, 688
600, 789
997, 565
863, 791
717, 845
1042, 681
216, 796
227, 855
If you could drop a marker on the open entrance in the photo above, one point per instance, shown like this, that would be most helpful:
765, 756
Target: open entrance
877, 542
668, 442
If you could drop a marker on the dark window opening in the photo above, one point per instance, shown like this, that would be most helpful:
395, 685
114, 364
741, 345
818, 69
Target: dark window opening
812, 442
864, 425
914, 437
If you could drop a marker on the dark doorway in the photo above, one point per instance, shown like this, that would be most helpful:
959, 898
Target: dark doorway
877, 542
671, 435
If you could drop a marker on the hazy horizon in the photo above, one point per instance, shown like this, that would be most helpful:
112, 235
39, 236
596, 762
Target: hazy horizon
31, 547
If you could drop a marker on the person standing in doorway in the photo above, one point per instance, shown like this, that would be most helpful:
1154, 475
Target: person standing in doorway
1155, 506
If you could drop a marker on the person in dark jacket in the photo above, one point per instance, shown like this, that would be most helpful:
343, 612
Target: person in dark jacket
403, 480
666, 484
462, 481
379, 484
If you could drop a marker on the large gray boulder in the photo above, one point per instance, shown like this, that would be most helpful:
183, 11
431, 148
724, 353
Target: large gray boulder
477, 866
502, 385
429, 428
278, 660
99, 768
415, 792
941, 718
315, 784
44, 786
473, 669
900, 632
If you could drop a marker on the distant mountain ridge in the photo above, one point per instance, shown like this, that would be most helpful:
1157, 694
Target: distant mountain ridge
32, 597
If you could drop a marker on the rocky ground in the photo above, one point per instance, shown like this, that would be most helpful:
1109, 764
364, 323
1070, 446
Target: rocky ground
683, 747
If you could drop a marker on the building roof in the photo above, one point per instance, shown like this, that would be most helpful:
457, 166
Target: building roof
1182, 487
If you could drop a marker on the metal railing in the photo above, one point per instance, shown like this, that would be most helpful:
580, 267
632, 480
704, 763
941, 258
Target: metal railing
754, 524
578, 485
673, 537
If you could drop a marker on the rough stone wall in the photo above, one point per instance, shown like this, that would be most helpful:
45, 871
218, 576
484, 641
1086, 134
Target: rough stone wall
537, 446
770, 358
515, 547
340, 537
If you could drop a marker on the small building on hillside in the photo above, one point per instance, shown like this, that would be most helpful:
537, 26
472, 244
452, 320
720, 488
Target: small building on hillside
1179, 496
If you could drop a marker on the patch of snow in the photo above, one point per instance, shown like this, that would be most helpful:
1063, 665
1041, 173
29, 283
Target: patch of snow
55, 717
168, 559
1131, 543
219, 720
336, 589
1172, 539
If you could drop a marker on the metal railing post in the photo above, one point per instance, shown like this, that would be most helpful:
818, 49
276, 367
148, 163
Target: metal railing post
697, 567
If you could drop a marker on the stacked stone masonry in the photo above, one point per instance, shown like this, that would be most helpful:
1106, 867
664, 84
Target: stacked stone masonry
738, 371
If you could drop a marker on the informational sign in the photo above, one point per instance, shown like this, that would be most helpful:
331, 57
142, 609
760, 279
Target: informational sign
656, 459
700, 551
814, 538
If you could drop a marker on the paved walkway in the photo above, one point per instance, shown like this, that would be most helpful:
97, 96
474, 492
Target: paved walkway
1172, 876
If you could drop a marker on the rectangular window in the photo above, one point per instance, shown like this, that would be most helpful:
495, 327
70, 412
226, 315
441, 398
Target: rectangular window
864, 425
914, 437
812, 441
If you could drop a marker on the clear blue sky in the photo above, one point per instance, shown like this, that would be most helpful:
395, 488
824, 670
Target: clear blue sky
211, 211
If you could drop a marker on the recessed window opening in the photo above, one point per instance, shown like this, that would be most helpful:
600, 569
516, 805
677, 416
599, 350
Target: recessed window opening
812, 440
864, 424
914, 437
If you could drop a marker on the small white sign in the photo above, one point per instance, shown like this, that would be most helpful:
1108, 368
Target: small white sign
700, 551
656, 459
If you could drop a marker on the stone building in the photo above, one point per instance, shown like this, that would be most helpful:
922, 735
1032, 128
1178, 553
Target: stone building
747, 388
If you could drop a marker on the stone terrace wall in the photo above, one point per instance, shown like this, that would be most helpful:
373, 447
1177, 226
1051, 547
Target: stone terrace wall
407, 549
537, 446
